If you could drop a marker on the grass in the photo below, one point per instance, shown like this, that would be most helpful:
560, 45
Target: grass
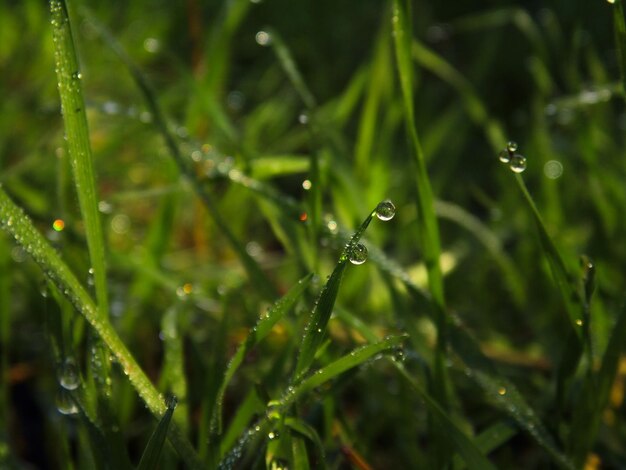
201, 222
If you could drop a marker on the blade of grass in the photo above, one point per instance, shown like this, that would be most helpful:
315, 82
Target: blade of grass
315, 331
427, 221
152, 452
619, 26
304, 429
490, 439
78, 146
255, 336
14, 222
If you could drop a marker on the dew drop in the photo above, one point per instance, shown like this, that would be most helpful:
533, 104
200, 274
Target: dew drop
518, 163
511, 146
171, 402
90, 277
357, 254
385, 210
272, 435
504, 156
502, 391
68, 374
65, 404
263, 38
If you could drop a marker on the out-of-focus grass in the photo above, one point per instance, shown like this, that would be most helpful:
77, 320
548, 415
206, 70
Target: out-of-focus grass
226, 171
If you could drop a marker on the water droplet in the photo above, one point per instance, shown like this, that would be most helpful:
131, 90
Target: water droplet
171, 402
303, 118
65, 404
398, 354
263, 38
90, 277
68, 374
518, 163
77, 76
58, 225
306, 184
357, 254
272, 435
385, 210
579, 322
611, 1
502, 391
504, 156
105, 207
511, 146
553, 169
151, 45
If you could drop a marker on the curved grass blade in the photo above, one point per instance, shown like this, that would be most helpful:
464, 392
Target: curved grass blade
152, 452
300, 454
254, 271
315, 330
256, 334
14, 222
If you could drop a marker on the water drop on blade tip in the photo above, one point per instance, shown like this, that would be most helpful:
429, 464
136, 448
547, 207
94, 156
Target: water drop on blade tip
357, 254
385, 210
518, 163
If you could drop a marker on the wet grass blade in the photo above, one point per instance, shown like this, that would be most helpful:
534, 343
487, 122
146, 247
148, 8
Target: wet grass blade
14, 222
567, 288
78, 146
256, 334
304, 429
315, 331
152, 452
619, 26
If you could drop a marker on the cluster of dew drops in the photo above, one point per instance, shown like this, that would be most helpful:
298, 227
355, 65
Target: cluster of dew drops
516, 161
357, 253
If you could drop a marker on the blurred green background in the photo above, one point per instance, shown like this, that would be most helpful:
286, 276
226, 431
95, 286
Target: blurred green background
544, 74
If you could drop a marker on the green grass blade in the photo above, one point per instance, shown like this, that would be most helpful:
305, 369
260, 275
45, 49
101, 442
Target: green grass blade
338, 367
14, 222
78, 146
152, 452
304, 429
567, 288
173, 373
465, 447
300, 454
256, 334
286, 61
429, 231
619, 26
315, 331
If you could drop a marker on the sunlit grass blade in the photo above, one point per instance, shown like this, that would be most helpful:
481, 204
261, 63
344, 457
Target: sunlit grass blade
300, 454
256, 334
152, 452
14, 222
315, 331
595, 394
256, 274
